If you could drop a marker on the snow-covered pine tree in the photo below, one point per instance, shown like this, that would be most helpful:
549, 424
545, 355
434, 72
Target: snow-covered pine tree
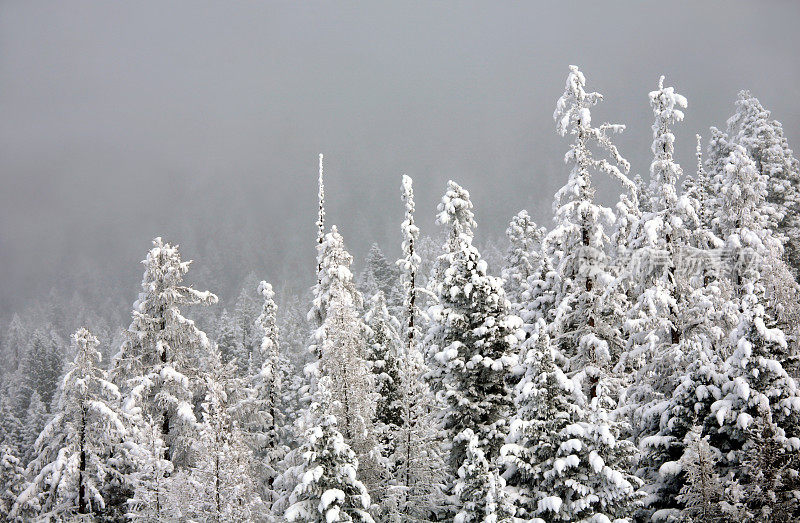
419, 471
480, 488
163, 350
229, 337
13, 345
335, 276
417, 461
329, 489
755, 381
770, 481
541, 289
334, 283
36, 418
652, 326
379, 274
224, 466
696, 373
352, 387
12, 481
523, 256
71, 464
544, 406
384, 355
41, 367
711, 179
260, 411
246, 311
409, 266
654, 356
11, 428
151, 498
472, 338
703, 495
320, 217
564, 462
585, 332
627, 220
743, 218
765, 142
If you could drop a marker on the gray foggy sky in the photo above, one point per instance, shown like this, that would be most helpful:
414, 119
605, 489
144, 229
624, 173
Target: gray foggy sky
201, 121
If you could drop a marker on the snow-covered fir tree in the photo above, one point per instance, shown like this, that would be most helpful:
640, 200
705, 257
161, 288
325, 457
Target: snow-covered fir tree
703, 496
224, 467
764, 140
695, 380
152, 496
36, 418
652, 324
352, 387
334, 277
11, 427
472, 338
379, 274
564, 461
479, 487
743, 218
246, 311
586, 333
329, 489
41, 367
14, 341
71, 463
523, 256
770, 481
12, 481
320, 215
409, 266
384, 354
755, 382
417, 459
230, 339
260, 410
164, 349
418, 464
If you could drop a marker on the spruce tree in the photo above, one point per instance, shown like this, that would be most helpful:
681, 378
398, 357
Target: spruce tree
229, 337
329, 489
71, 465
384, 355
765, 142
479, 487
12, 480
225, 465
417, 459
163, 351
564, 460
472, 338
379, 274
11, 427
523, 256
586, 332
261, 409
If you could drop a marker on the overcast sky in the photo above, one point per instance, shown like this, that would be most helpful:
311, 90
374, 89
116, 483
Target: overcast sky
202, 121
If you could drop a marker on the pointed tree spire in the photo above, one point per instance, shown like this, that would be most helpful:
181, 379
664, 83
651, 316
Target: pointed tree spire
321, 213
409, 263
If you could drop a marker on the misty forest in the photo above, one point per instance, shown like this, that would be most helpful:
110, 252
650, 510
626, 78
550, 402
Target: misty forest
636, 361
